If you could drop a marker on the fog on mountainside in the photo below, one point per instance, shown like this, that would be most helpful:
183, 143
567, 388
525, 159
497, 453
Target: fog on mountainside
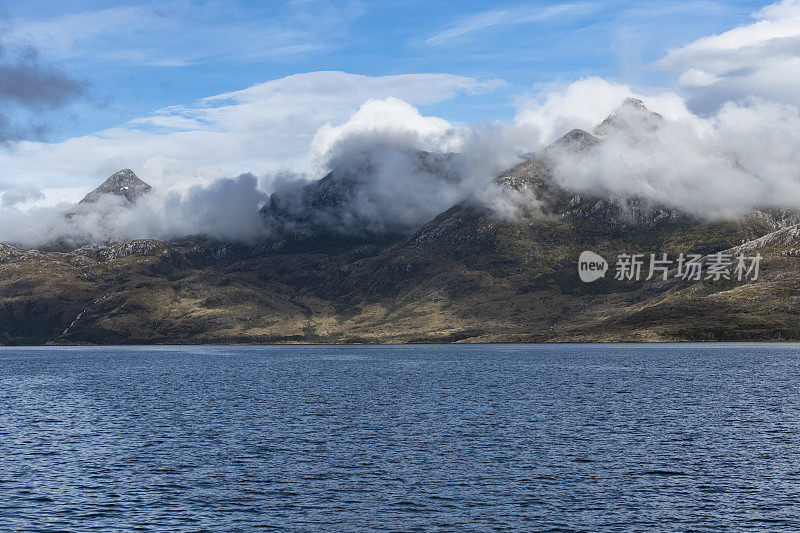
745, 157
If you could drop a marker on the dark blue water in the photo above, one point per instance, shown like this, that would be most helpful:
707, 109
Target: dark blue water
556, 438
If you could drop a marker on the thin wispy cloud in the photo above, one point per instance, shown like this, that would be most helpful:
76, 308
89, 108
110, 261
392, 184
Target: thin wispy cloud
182, 34
506, 17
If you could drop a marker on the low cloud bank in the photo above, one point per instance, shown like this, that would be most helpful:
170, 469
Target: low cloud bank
390, 169
728, 142
226, 209
745, 156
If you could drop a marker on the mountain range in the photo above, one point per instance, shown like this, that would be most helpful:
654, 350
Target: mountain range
467, 275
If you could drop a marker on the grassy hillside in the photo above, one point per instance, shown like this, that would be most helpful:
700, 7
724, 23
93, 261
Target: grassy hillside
464, 277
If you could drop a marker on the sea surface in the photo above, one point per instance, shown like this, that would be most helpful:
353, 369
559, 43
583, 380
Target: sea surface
406, 438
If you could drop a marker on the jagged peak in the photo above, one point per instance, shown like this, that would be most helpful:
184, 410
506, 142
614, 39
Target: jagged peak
634, 102
577, 139
123, 183
632, 111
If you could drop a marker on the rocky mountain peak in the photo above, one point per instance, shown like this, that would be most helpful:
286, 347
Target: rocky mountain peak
577, 140
122, 183
631, 116
635, 103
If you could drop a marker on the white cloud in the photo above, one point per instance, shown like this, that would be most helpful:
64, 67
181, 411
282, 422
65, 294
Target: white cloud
584, 104
742, 157
745, 156
180, 33
506, 17
395, 169
761, 59
697, 78
385, 184
391, 119
19, 194
261, 128
225, 209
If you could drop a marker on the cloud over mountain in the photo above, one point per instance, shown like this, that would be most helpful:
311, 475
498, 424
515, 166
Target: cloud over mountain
226, 209
390, 169
744, 157
728, 143
762, 58
259, 129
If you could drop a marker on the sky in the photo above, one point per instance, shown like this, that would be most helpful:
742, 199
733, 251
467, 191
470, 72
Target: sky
187, 92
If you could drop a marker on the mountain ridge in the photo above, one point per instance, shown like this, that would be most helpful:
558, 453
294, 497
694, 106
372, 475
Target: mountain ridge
466, 275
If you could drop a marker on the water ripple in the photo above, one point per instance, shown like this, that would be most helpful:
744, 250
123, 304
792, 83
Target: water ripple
546, 438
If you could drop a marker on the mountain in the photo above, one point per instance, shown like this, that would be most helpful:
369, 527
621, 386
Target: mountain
633, 114
331, 206
464, 276
123, 183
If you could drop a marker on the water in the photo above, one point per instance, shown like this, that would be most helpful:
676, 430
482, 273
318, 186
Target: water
558, 438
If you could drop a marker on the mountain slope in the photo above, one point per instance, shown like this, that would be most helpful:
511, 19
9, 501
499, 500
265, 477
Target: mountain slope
508, 282
464, 276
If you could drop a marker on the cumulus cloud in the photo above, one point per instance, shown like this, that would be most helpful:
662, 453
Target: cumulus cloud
305, 124
745, 156
762, 58
560, 108
258, 129
728, 142
392, 119
391, 169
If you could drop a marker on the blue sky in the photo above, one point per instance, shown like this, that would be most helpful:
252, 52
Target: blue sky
185, 92
136, 57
